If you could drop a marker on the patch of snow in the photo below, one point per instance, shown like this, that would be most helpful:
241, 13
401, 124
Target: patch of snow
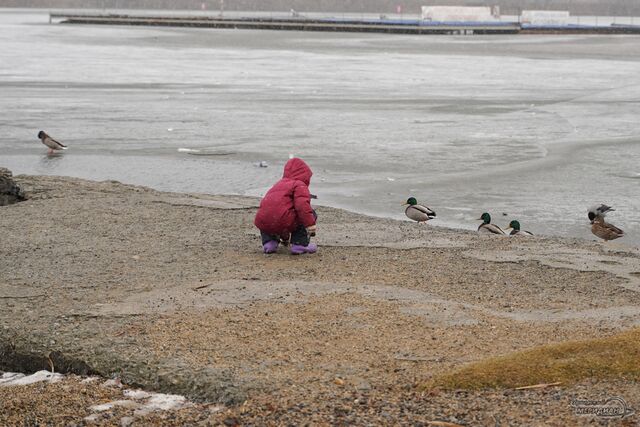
143, 402
110, 405
165, 402
13, 379
92, 418
162, 402
10, 376
137, 394
113, 383
103, 407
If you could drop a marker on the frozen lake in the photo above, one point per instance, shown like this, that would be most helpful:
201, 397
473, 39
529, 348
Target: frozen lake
538, 127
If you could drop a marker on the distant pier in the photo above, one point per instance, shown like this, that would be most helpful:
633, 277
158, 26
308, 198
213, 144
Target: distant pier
392, 26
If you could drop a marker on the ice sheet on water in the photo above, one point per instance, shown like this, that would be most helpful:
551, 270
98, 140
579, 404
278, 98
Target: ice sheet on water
455, 121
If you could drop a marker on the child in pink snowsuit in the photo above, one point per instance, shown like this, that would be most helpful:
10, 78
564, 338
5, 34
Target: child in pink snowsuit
285, 211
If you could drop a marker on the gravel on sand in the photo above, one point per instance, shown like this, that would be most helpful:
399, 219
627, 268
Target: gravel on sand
171, 293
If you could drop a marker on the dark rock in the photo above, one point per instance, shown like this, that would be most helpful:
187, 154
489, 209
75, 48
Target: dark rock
28, 362
231, 422
10, 192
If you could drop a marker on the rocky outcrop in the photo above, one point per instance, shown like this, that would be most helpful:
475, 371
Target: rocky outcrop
10, 192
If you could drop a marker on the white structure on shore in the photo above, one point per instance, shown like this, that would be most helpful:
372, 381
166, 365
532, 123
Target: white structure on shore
556, 18
460, 14
545, 17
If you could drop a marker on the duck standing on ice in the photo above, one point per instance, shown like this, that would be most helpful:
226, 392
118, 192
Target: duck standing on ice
50, 142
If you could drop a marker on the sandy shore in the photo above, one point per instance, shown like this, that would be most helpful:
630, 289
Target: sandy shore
171, 293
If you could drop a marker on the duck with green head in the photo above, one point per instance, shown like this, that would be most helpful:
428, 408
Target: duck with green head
516, 231
418, 212
487, 227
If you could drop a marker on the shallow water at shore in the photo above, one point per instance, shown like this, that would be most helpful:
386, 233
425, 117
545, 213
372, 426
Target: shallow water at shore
537, 127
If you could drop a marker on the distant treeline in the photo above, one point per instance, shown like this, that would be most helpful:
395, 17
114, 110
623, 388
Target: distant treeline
507, 7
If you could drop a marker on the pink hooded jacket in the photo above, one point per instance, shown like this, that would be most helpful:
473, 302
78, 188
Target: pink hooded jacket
288, 203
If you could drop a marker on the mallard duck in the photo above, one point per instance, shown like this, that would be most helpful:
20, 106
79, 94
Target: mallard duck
600, 227
515, 229
487, 227
50, 142
418, 212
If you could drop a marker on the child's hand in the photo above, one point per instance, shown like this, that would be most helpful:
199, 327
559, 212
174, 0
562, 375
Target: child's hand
311, 230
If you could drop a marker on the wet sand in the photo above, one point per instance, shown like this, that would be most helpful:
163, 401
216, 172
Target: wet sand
170, 292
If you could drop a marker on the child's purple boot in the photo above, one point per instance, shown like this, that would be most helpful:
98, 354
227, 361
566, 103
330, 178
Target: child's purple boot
299, 249
270, 247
